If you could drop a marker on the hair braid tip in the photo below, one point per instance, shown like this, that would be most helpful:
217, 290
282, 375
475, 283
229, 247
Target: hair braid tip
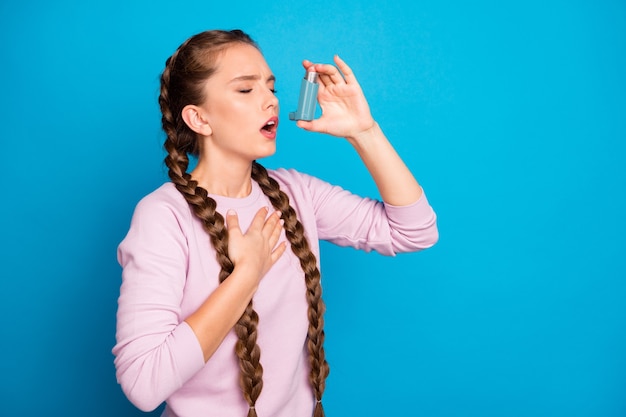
319, 409
252, 411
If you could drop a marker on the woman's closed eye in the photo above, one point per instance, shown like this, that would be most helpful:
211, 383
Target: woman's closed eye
249, 90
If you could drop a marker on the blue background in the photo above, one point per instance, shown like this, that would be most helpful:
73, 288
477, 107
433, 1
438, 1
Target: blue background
511, 115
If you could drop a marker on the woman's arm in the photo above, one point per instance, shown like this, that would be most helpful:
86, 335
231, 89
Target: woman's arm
396, 184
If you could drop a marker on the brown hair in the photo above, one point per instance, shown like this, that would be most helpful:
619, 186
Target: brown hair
181, 84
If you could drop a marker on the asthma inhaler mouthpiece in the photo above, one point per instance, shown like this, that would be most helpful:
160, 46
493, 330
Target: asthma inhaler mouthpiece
308, 98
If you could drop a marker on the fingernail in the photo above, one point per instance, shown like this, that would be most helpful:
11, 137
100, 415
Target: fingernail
231, 212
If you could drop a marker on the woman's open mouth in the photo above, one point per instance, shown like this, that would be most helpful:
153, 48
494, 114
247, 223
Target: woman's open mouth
269, 129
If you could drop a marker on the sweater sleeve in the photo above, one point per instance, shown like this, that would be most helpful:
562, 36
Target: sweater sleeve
156, 351
347, 219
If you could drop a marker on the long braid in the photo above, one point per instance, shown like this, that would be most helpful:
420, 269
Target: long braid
181, 141
249, 354
300, 247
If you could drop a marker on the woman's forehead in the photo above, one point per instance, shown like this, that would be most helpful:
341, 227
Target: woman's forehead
241, 60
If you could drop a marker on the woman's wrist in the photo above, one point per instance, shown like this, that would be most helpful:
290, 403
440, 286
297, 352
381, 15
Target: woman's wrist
247, 276
365, 135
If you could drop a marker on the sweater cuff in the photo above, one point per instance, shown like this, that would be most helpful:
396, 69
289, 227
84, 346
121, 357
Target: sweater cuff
406, 214
412, 227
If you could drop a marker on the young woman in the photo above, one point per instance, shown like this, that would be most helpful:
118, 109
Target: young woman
220, 310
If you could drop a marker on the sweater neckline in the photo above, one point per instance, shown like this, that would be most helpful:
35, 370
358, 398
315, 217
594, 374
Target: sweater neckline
241, 202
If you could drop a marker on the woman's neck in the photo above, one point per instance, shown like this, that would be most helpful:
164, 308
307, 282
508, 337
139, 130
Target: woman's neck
224, 179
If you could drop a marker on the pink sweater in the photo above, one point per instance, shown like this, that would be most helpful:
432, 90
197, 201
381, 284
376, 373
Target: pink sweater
169, 269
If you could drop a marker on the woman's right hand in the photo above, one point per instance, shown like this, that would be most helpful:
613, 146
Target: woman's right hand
256, 250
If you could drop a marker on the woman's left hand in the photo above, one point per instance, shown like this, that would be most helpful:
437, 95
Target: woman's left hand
345, 112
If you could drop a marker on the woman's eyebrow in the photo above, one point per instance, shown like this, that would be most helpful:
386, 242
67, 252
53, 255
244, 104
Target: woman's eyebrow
252, 78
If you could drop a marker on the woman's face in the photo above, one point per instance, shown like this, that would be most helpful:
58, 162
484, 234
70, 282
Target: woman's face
240, 106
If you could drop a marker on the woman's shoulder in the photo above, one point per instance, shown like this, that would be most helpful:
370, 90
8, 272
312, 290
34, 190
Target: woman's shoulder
164, 199
285, 174
292, 178
165, 193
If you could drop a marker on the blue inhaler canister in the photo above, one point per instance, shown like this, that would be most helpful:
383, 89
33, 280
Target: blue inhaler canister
308, 98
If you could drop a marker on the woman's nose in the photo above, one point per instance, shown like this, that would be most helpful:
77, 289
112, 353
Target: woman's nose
271, 100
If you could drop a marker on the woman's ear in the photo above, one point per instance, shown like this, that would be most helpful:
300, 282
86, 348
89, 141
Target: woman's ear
194, 118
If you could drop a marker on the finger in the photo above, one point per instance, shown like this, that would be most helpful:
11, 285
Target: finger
348, 75
258, 221
275, 231
278, 252
311, 125
325, 80
311, 66
324, 72
305, 124
307, 64
232, 220
330, 73
270, 222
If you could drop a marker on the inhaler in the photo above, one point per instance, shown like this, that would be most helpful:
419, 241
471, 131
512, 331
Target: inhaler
308, 98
